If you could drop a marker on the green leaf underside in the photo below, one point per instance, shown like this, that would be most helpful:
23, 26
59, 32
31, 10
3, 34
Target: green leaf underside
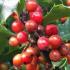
68, 67
64, 30
60, 64
23, 67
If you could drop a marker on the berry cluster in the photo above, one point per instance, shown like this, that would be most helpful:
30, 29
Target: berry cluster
39, 38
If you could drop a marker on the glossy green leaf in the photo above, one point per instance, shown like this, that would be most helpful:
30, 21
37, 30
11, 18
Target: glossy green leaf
21, 6
56, 12
10, 53
49, 3
60, 64
64, 30
66, 37
23, 67
9, 21
4, 36
68, 67
57, 2
45, 3
5, 50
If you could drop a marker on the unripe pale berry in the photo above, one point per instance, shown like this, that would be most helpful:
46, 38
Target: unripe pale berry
13, 41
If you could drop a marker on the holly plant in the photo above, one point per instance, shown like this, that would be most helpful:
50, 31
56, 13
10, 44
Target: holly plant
34, 34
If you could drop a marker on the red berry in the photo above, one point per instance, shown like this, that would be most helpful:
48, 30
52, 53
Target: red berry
67, 45
68, 57
13, 41
15, 15
17, 60
64, 50
22, 37
26, 57
31, 66
63, 19
55, 55
55, 41
17, 26
68, 2
34, 60
40, 28
51, 29
37, 17
31, 5
39, 9
43, 43
31, 26
32, 50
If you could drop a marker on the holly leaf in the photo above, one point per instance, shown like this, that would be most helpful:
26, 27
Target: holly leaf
57, 2
6, 51
21, 6
56, 12
66, 37
23, 67
45, 3
64, 30
68, 67
9, 21
49, 3
4, 35
60, 64
11, 52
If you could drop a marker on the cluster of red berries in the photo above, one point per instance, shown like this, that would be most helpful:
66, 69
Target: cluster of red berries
50, 40
30, 57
